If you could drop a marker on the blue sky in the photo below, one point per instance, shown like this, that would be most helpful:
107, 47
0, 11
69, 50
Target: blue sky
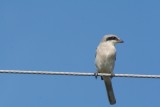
62, 35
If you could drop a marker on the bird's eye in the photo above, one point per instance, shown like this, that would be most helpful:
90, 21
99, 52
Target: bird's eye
111, 38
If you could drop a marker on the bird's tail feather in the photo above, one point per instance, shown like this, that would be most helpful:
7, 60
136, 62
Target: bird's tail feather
109, 89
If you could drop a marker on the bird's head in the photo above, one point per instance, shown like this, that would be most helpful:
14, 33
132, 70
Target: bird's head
113, 39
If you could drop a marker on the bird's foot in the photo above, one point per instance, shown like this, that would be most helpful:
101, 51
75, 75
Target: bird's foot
96, 74
112, 75
101, 78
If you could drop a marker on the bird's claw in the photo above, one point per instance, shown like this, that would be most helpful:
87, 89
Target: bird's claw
96, 74
112, 75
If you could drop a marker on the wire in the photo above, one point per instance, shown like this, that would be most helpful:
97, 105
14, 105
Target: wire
78, 74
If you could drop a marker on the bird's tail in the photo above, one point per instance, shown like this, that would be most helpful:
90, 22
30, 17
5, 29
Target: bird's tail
108, 84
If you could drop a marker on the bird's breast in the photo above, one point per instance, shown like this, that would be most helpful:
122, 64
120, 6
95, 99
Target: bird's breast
105, 59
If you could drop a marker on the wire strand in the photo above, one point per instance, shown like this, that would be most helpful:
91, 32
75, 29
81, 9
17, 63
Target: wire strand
78, 74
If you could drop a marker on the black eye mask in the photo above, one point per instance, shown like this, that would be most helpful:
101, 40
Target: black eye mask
112, 38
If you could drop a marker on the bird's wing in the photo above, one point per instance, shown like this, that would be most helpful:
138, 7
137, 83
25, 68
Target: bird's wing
115, 56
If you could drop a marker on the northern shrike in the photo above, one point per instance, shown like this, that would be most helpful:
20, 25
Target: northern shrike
105, 60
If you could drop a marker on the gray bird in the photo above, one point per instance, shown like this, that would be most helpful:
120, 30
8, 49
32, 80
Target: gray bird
105, 61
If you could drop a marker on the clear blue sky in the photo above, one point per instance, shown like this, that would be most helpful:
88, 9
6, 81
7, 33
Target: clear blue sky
62, 35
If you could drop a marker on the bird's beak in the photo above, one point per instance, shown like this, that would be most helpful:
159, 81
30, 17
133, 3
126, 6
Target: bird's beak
120, 41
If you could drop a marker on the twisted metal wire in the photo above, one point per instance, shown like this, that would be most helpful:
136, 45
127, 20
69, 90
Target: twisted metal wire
78, 74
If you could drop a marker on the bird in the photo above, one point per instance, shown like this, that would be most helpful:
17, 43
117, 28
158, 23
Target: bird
105, 61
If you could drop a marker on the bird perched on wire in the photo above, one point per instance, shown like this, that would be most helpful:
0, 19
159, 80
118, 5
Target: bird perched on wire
105, 61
